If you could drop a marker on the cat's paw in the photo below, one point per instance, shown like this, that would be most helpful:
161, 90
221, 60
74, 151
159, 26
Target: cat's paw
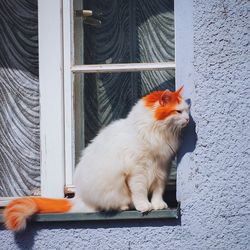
159, 204
143, 207
124, 208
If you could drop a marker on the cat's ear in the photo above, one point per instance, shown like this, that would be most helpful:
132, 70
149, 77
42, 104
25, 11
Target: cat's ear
179, 90
165, 98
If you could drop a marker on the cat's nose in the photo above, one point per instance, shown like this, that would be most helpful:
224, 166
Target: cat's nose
187, 120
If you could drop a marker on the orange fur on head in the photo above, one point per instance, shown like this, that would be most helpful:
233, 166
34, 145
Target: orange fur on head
18, 210
166, 100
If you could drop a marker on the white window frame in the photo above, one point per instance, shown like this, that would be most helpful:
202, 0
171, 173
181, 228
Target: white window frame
56, 94
51, 78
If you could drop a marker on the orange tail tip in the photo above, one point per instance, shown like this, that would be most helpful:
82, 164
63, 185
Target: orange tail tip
19, 210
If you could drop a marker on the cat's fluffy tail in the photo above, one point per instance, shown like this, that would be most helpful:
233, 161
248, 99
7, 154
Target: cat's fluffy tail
19, 210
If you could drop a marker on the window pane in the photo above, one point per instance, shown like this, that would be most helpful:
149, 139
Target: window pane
125, 31
102, 98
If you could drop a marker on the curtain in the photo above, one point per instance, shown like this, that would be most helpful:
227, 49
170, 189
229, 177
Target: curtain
19, 98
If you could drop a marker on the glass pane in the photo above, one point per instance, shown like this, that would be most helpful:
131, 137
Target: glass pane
125, 31
102, 98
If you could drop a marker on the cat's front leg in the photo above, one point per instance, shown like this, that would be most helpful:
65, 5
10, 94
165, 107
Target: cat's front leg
157, 193
139, 191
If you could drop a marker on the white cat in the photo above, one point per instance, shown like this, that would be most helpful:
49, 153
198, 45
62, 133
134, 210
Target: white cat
127, 161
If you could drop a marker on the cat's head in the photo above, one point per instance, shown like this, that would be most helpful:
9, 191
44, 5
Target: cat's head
168, 107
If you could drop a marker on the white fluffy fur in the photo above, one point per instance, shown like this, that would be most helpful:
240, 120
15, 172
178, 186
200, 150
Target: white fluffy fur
127, 161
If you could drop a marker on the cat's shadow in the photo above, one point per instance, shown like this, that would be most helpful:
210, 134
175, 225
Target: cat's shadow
189, 137
23, 240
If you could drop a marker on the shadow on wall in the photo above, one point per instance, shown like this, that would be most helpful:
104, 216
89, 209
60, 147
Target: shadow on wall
189, 138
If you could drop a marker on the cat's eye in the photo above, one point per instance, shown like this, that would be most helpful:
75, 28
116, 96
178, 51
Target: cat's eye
179, 111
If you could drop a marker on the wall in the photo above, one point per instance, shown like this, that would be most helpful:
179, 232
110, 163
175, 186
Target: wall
213, 170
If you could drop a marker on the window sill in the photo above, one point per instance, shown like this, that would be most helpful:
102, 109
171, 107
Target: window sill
125, 215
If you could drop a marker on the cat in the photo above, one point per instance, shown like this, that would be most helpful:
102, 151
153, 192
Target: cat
126, 161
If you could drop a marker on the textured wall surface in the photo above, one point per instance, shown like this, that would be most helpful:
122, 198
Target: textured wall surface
214, 187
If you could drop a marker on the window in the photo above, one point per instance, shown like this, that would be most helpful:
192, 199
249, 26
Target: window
63, 30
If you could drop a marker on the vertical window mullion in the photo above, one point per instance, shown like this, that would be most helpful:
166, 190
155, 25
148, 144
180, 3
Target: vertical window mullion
51, 97
68, 91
